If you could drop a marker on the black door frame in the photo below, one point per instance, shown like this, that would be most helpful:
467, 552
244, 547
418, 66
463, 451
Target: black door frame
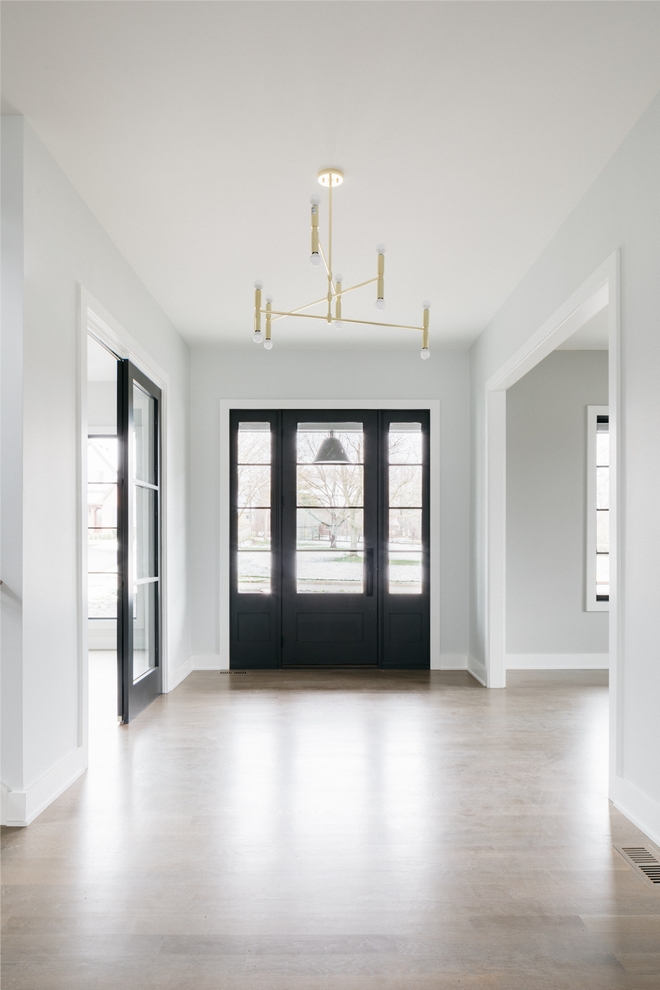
257, 654
134, 696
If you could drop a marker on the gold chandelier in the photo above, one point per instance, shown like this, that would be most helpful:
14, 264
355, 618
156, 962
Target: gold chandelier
331, 178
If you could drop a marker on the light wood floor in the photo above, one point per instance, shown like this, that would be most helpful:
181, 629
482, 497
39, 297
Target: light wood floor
337, 831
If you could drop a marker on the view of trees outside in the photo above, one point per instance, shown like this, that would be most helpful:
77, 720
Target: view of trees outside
405, 511
102, 527
602, 509
254, 468
330, 514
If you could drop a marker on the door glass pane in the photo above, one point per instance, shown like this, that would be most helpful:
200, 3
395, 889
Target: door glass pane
102, 596
144, 418
254, 529
330, 442
405, 483
145, 532
144, 628
329, 572
253, 572
405, 443
405, 529
405, 573
331, 529
330, 496
101, 550
102, 505
254, 445
102, 459
253, 485
330, 485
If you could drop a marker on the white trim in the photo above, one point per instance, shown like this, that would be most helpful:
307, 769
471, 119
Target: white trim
599, 290
19, 808
452, 661
433, 405
477, 669
590, 602
642, 810
95, 320
557, 661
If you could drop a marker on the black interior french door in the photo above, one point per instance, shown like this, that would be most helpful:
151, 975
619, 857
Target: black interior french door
329, 538
139, 539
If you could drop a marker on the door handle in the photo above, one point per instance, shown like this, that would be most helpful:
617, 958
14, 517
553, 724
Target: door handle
369, 563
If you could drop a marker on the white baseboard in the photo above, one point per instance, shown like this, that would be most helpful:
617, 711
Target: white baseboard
557, 661
19, 808
450, 661
477, 668
642, 810
180, 673
209, 661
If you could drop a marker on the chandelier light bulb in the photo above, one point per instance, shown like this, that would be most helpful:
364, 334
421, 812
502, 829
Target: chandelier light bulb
380, 304
258, 284
268, 344
380, 249
426, 304
339, 278
315, 200
338, 324
315, 258
257, 336
425, 354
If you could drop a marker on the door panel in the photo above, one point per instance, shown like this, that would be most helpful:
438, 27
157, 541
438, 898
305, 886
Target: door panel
139, 514
254, 535
329, 538
404, 516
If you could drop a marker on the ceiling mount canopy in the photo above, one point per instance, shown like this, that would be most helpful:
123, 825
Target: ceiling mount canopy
331, 178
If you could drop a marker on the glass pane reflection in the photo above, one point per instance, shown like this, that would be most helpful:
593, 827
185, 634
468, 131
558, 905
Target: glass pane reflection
332, 528
405, 528
405, 483
330, 485
253, 572
254, 443
144, 628
329, 572
144, 422
405, 443
254, 529
405, 573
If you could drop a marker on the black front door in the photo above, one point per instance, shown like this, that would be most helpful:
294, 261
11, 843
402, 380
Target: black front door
329, 539
139, 632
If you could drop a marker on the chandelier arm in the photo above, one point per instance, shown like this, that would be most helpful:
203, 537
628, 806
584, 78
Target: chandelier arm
317, 302
366, 323
327, 268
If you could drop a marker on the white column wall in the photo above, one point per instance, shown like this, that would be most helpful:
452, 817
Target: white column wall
64, 248
620, 211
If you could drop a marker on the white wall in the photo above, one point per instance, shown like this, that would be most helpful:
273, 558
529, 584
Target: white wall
63, 248
621, 210
546, 451
298, 374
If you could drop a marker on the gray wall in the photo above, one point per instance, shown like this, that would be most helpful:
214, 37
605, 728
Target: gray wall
546, 438
285, 373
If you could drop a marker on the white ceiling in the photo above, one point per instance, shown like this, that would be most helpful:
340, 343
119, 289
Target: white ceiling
467, 132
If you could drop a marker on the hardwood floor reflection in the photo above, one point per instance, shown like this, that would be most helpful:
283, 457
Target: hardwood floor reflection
339, 830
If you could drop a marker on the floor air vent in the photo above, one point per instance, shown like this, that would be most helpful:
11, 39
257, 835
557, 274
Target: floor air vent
643, 861
233, 671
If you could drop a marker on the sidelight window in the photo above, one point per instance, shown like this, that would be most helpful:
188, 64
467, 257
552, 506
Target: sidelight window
102, 527
405, 487
253, 508
598, 510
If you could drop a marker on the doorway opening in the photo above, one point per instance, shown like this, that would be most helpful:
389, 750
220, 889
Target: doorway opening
123, 537
330, 544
